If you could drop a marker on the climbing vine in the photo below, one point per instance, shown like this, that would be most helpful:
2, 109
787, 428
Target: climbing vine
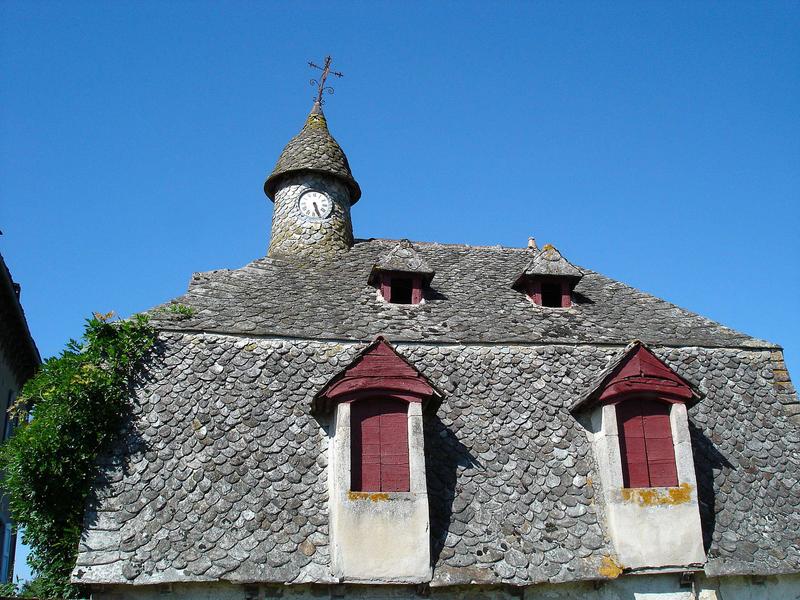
68, 413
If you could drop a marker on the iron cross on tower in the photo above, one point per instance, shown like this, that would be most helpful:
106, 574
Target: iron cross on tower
321, 87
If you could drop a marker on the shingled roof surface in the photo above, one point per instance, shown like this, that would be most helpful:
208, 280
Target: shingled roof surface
313, 149
403, 258
549, 263
223, 471
471, 300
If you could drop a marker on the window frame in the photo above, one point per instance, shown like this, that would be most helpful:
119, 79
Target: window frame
535, 295
386, 288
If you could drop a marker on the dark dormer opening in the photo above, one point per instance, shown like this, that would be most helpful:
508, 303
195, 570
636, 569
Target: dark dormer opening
401, 289
551, 294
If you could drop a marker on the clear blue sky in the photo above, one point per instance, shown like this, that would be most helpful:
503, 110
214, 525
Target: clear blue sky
657, 143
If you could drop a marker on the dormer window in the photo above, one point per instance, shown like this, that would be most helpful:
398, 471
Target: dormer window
550, 293
401, 275
400, 288
548, 279
378, 494
638, 424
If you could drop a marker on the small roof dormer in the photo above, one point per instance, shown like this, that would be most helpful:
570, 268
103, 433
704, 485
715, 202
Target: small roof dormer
401, 274
549, 278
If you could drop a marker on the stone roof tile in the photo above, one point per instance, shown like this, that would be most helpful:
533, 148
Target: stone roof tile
315, 150
470, 301
403, 258
548, 262
222, 453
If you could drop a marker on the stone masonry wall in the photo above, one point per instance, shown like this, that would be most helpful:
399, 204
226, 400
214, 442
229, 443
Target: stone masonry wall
294, 235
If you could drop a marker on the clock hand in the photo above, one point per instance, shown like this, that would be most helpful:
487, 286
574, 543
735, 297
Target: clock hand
316, 210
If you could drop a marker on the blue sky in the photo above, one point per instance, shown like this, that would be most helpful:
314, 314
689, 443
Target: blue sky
657, 143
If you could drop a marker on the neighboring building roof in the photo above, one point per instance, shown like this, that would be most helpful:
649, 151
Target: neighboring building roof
403, 258
470, 301
223, 472
315, 150
16, 343
548, 262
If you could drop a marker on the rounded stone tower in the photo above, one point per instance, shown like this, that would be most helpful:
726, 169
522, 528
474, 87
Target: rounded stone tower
313, 189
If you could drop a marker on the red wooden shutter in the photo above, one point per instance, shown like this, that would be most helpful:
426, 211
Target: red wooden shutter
535, 292
386, 287
658, 438
379, 446
566, 295
416, 291
645, 440
394, 452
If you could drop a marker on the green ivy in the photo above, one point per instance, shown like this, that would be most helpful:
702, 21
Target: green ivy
79, 401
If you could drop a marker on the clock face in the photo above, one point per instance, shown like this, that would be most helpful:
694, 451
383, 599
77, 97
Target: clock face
315, 205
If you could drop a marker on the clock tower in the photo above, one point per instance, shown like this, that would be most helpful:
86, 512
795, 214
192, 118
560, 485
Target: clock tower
313, 189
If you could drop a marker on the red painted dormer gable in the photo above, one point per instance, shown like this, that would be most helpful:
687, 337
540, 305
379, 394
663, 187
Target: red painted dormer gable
643, 372
379, 369
637, 371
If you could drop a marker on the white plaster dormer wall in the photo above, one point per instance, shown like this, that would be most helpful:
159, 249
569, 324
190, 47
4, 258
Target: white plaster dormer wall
649, 527
379, 537
295, 235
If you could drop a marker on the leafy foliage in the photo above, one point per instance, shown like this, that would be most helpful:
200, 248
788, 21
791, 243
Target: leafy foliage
28, 589
79, 401
182, 310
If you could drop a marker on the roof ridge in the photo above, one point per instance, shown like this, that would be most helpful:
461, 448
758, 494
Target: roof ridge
443, 244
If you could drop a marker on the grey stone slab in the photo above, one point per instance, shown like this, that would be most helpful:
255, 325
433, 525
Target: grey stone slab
255, 498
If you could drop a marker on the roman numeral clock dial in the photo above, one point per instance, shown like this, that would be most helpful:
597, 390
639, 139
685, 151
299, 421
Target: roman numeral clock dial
315, 206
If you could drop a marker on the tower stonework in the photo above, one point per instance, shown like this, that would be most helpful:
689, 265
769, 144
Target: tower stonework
312, 163
295, 234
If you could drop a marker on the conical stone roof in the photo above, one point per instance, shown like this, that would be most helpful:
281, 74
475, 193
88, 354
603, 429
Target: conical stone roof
315, 150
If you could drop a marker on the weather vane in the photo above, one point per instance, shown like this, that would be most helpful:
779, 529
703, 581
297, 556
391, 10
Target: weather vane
321, 87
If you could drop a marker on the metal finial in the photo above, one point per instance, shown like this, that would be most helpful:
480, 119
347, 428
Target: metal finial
321, 87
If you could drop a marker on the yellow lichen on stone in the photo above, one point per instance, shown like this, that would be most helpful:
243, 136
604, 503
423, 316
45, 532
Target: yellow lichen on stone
316, 122
374, 496
610, 568
658, 496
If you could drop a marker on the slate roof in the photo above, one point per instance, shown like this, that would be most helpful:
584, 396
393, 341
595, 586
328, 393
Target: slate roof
470, 301
223, 473
314, 150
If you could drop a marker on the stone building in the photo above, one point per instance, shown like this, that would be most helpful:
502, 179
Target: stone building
19, 359
381, 418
